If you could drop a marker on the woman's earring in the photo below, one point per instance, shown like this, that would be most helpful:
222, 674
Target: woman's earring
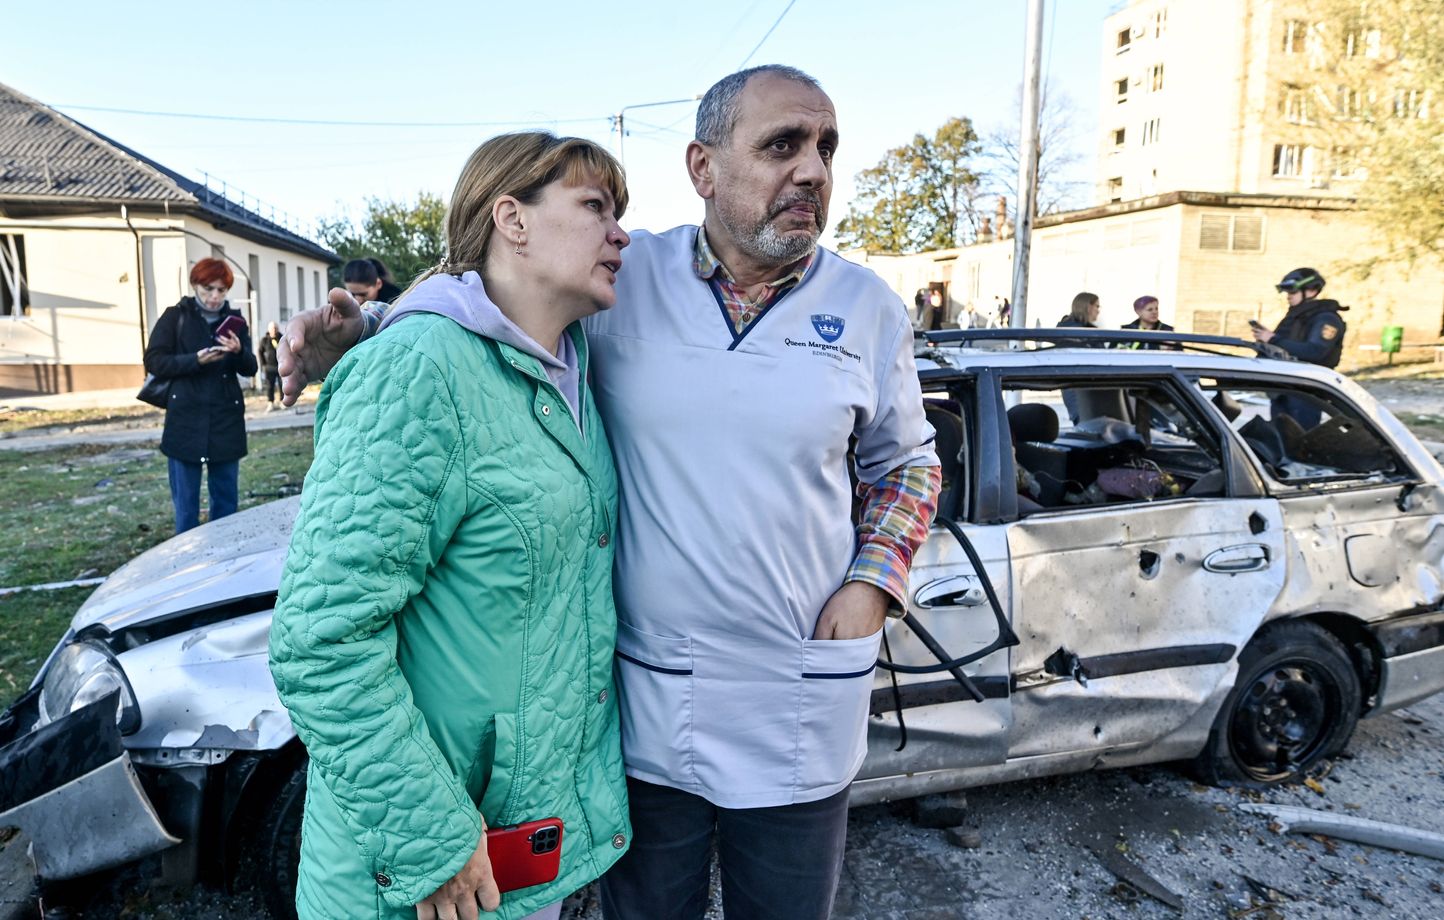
520, 242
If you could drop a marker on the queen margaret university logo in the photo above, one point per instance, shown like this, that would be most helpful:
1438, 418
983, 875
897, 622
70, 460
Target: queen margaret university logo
828, 326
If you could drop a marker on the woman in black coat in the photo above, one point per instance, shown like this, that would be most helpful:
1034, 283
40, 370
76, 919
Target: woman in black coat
205, 420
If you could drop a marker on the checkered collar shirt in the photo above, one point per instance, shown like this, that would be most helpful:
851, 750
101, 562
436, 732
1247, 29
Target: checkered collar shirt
743, 311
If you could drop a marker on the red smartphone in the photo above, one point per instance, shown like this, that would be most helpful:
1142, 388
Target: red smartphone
232, 324
525, 854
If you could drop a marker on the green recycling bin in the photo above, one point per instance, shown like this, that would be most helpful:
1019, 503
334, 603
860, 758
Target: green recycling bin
1391, 341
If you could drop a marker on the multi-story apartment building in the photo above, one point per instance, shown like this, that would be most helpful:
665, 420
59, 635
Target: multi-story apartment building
1239, 96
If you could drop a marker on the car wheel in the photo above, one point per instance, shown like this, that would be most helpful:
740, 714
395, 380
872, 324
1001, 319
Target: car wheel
272, 848
1295, 702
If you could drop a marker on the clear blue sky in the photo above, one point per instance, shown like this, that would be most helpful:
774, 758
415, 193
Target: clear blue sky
893, 69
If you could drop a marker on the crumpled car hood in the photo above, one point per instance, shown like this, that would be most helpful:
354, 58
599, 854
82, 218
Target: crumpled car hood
237, 556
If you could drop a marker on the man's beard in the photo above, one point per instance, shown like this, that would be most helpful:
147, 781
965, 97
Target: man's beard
764, 244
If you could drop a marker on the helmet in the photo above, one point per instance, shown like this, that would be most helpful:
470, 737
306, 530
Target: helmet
1300, 279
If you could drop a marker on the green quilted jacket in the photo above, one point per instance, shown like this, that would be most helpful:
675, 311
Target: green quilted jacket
445, 629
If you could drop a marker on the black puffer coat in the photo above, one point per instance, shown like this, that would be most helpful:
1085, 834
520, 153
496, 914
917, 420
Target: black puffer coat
205, 420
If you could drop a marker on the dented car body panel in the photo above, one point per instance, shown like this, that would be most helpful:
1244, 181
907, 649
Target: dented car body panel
71, 788
1131, 607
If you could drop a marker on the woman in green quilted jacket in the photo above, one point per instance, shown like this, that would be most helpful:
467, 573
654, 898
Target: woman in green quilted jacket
444, 635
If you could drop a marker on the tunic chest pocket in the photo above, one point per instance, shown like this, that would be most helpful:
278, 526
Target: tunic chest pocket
654, 678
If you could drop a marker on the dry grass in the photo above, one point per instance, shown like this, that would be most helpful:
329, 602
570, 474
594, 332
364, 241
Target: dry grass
82, 511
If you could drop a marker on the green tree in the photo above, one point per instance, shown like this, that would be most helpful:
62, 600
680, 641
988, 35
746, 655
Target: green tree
920, 196
409, 237
1370, 109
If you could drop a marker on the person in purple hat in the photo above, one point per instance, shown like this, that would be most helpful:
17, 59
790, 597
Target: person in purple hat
1147, 309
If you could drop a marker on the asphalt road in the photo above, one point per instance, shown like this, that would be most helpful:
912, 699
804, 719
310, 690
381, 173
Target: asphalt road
1043, 846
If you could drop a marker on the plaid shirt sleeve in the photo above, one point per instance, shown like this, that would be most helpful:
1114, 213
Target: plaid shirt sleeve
372, 313
897, 511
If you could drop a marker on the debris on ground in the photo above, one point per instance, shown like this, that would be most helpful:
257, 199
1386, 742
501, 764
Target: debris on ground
941, 811
1292, 819
965, 838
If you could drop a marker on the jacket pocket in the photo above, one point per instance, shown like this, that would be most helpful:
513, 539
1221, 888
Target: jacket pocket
832, 726
654, 681
496, 785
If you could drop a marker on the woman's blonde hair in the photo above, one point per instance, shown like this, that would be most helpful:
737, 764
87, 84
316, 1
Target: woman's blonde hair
1081, 303
519, 165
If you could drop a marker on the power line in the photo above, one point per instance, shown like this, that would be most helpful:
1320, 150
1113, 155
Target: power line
255, 119
767, 36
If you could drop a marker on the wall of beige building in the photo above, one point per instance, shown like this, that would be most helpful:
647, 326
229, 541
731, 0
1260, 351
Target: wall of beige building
94, 299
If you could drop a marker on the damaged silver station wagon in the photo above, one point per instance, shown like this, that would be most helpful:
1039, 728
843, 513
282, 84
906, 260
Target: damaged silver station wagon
1141, 555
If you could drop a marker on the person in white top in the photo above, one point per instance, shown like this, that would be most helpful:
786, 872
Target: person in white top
741, 372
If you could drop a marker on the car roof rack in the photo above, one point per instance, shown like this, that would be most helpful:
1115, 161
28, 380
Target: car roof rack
1068, 335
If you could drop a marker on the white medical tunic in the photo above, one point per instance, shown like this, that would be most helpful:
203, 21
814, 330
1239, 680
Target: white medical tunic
735, 518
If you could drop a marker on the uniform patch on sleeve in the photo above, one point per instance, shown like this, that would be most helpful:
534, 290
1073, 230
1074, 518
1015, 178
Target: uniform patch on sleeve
1329, 333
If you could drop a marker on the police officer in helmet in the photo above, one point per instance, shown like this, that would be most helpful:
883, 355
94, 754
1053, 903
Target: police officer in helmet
1311, 331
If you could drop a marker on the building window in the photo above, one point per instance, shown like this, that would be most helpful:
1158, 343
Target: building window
1118, 137
1296, 105
1411, 103
1122, 88
1293, 161
316, 286
1231, 232
1115, 189
1360, 41
1152, 131
1295, 34
218, 252
281, 299
1160, 22
1345, 163
300, 287
14, 289
1125, 41
1352, 102
1155, 77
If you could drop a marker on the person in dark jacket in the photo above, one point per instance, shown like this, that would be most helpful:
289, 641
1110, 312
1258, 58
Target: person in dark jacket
1083, 314
1147, 309
205, 421
1311, 331
369, 279
266, 352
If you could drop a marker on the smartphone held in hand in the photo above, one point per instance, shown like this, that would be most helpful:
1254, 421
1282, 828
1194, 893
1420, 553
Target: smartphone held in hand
232, 325
525, 854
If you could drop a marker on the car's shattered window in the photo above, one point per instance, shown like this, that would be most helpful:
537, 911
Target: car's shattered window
1304, 435
946, 413
1085, 444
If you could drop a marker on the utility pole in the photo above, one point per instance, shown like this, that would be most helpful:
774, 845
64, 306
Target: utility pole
619, 122
1027, 164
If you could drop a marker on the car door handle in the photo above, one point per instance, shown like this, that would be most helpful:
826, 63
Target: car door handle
1233, 560
953, 591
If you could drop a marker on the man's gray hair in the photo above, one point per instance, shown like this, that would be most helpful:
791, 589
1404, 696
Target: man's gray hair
718, 111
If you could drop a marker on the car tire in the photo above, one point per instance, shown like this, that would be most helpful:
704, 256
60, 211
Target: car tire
1295, 702
272, 848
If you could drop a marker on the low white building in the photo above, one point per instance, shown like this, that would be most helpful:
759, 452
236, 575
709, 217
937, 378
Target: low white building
96, 240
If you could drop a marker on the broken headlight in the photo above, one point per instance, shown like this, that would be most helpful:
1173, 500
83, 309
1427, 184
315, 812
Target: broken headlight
82, 673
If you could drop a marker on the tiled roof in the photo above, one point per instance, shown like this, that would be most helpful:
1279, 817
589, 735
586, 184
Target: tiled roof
48, 157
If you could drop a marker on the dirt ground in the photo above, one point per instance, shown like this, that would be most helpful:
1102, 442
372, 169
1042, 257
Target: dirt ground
1043, 845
